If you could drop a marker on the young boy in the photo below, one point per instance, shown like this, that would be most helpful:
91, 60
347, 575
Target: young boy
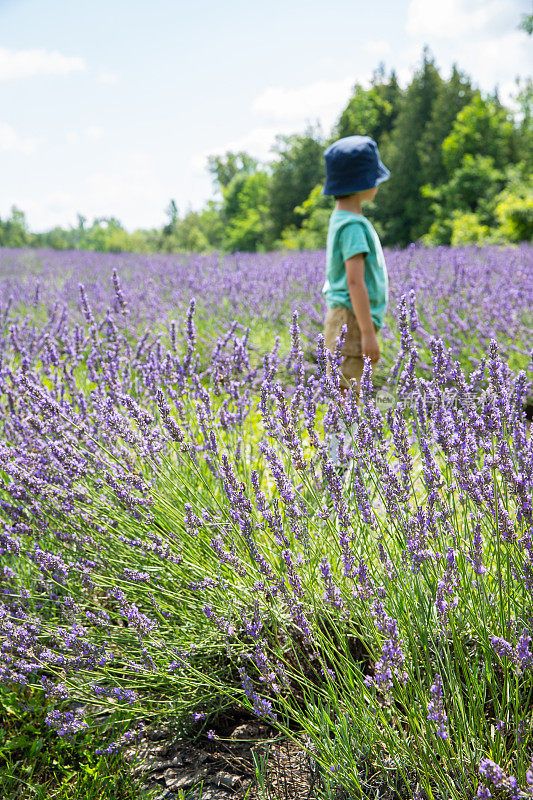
356, 286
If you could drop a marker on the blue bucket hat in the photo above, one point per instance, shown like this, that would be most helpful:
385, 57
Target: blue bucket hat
353, 165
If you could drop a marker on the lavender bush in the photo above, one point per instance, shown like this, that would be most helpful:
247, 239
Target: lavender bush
176, 537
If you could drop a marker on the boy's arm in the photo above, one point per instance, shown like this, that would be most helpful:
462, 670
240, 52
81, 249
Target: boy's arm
355, 276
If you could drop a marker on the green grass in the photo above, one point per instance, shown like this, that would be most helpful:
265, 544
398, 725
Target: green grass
37, 764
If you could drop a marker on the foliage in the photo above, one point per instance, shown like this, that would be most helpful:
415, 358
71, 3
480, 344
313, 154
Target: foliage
197, 232
466, 202
466, 228
514, 211
402, 191
371, 112
314, 213
483, 127
37, 764
244, 212
452, 96
14, 230
224, 168
297, 167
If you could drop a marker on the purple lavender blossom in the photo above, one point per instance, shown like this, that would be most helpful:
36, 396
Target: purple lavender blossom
520, 655
66, 723
127, 738
332, 593
392, 661
436, 711
261, 706
498, 778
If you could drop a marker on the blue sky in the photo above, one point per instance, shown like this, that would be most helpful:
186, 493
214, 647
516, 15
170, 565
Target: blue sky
111, 107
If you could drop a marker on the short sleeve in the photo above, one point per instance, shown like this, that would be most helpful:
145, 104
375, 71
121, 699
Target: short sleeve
352, 240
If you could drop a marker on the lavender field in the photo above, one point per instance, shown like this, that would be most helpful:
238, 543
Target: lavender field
177, 542
466, 296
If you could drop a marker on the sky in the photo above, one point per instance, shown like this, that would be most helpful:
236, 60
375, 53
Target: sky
110, 108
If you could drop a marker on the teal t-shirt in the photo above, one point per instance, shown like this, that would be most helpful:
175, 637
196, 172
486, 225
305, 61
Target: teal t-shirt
349, 234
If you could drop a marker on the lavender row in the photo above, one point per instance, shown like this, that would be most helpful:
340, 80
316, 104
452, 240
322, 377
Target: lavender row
466, 296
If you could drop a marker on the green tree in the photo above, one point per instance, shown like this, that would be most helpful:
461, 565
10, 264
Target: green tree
482, 127
14, 230
244, 212
105, 235
212, 225
371, 112
224, 168
400, 207
295, 171
468, 229
452, 96
514, 207
198, 231
315, 213
524, 121
58, 239
173, 216
470, 192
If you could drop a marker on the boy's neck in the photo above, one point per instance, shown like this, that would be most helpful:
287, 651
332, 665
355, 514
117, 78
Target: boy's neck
351, 203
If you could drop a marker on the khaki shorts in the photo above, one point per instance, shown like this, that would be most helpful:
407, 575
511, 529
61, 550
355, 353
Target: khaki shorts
352, 362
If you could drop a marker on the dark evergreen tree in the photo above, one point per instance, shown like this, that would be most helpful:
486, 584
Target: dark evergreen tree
400, 207
452, 96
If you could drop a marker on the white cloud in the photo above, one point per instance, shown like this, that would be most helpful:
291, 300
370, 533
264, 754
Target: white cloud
132, 191
125, 191
452, 17
285, 111
11, 140
58, 202
481, 36
93, 132
321, 100
378, 48
31, 63
483, 60
257, 142
110, 78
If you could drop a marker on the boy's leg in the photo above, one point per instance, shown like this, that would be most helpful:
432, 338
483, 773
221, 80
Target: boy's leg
351, 366
352, 371
352, 363
336, 318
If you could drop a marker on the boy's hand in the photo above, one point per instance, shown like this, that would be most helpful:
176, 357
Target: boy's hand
370, 346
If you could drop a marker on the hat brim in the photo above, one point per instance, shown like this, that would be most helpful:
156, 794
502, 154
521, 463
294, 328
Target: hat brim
382, 174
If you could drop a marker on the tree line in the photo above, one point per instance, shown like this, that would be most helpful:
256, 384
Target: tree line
461, 173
